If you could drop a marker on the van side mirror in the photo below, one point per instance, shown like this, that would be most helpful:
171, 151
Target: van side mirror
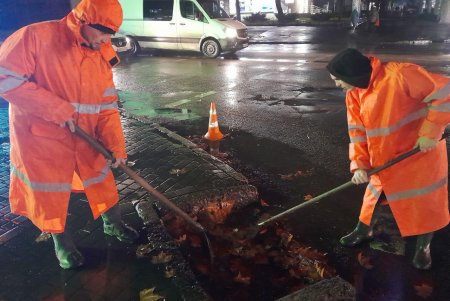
199, 17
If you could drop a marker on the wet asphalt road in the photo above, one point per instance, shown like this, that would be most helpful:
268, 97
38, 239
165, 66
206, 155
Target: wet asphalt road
283, 114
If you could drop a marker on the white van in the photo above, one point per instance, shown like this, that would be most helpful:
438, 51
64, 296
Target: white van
199, 25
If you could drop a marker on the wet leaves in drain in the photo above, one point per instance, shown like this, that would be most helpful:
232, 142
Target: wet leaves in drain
249, 261
161, 258
144, 250
149, 295
169, 273
298, 173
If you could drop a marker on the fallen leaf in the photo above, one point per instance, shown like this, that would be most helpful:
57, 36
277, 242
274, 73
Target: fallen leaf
298, 173
202, 268
241, 279
161, 258
144, 250
263, 231
286, 238
178, 172
320, 270
264, 203
195, 241
307, 197
301, 173
149, 294
261, 259
44, 236
180, 239
219, 211
279, 231
423, 290
288, 177
364, 261
169, 273
296, 273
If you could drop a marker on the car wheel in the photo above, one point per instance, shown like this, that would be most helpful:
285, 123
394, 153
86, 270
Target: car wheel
211, 48
135, 48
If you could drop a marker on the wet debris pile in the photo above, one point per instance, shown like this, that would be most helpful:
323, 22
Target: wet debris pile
250, 262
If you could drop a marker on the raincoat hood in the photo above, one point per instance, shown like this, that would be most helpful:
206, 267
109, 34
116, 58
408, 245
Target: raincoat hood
107, 13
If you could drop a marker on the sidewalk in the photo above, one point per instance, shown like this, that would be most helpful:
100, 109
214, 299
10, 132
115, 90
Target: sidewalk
113, 271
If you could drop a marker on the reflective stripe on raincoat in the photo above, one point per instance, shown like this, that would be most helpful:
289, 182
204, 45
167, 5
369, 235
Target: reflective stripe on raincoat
48, 77
402, 102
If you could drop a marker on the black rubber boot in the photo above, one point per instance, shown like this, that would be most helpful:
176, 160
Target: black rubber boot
361, 233
114, 226
422, 255
66, 252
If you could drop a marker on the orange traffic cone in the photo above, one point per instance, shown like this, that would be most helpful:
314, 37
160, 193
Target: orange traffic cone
213, 133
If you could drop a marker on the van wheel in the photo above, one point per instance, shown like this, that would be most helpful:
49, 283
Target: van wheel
135, 48
211, 48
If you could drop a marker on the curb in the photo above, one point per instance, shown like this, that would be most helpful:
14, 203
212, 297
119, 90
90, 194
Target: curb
413, 42
158, 236
333, 289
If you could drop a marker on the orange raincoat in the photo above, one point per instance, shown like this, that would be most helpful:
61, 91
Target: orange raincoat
47, 76
403, 101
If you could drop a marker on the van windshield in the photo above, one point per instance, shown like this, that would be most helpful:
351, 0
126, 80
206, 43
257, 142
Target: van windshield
213, 9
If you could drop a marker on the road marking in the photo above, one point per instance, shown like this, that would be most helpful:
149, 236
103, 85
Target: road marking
183, 101
206, 94
178, 103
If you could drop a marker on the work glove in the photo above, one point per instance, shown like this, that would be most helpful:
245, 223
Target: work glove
360, 176
426, 144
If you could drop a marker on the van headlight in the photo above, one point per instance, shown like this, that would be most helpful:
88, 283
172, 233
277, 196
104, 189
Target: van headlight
231, 33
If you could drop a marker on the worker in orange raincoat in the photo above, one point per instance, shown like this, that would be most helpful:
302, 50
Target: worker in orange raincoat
392, 108
54, 75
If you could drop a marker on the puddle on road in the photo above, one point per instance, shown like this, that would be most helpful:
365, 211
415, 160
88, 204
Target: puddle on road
312, 100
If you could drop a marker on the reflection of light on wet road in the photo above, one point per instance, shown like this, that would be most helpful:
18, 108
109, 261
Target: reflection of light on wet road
231, 73
231, 97
273, 60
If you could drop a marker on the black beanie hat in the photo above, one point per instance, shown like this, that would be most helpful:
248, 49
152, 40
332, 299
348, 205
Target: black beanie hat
351, 67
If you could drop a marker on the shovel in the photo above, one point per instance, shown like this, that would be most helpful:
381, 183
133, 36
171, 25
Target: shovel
144, 184
345, 185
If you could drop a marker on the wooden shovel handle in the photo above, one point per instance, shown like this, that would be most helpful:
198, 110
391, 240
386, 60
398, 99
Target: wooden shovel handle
137, 178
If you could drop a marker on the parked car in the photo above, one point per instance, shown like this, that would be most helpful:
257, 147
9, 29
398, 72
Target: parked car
197, 25
121, 43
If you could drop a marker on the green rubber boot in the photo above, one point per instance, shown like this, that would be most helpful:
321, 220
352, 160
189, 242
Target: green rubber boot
114, 226
361, 233
66, 252
422, 255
